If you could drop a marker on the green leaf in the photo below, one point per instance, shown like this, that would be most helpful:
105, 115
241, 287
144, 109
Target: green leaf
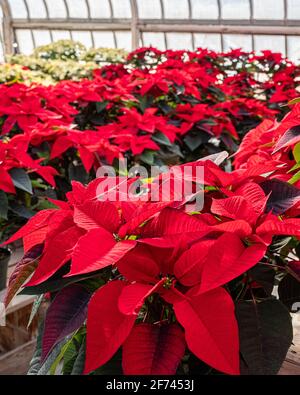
279, 242
3, 205
265, 276
54, 358
101, 105
296, 152
39, 185
35, 362
20, 210
35, 307
21, 180
294, 101
175, 149
78, 173
55, 284
193, 139
145, 102
58, 358
266, 334
44, 204
295, 178
147, 157
80, 360
295, 167
69, 358
164, 107
161, 138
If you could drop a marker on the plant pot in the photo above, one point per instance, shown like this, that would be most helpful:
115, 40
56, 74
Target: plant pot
5, 255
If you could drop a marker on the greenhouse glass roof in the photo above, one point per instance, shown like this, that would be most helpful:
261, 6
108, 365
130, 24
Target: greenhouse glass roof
177, 24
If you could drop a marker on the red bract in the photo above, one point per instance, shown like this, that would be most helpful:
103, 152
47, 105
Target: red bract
153, 349
88, 144
22, 108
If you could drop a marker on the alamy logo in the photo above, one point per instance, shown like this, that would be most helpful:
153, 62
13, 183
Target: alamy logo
160, 184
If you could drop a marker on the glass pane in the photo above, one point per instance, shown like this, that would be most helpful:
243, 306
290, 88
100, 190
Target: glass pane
77, 8
149, 9
235, 9
124, 40
268, 9
179, 41
121, 8
1, 26
176, 9
99, 9
293, 9
37, 9
57, 9
205, 9
24, 40
210, 41
232, 41
272, 43
1, 53
104, 39
41, 37
1, 38
154, 40
18, 9
293, 44
83, 37
61, 35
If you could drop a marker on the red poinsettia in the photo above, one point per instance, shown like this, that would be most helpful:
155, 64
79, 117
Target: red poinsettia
217, 345
13, 154
275, 143
83, 221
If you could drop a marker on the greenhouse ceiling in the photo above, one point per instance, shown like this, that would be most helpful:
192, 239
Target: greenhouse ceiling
177, 24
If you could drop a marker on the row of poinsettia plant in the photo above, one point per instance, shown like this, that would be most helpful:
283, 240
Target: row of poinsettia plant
159, 286
156, 108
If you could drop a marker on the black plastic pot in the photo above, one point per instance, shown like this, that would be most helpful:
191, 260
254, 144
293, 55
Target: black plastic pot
5, 255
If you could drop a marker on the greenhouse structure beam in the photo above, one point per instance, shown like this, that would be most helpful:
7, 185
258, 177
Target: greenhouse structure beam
8, 32
150, 26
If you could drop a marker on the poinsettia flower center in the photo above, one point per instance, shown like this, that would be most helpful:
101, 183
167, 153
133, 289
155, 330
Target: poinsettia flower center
117, 237
169, 281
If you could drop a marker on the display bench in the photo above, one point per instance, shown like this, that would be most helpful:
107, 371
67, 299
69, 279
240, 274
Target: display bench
292, 362
16, 341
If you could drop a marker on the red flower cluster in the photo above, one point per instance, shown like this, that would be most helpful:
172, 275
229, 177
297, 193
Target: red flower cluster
162, 279
171, 102
166, 272
276, 143
13, 155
